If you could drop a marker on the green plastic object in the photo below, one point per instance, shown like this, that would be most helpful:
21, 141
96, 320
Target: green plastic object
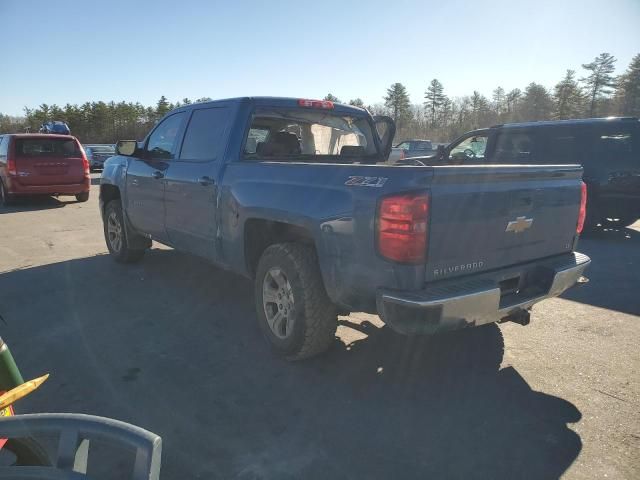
10, 376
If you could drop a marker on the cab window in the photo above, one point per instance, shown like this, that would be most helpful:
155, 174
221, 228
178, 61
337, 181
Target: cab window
514, 147
469, 149
162, 142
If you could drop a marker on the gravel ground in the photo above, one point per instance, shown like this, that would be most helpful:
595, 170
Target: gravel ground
171, 344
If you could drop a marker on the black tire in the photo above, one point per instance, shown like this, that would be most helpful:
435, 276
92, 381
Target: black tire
5, 198
27, 452
82, 197
120, 251
315, 318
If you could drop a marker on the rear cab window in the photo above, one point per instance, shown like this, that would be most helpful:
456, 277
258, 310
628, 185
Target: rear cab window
308, 135
515, 147
46, 147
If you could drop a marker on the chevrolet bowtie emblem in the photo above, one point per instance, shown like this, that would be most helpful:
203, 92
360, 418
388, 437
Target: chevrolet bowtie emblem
518, 225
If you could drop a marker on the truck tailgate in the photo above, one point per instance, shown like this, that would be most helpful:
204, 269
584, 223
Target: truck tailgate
487, 217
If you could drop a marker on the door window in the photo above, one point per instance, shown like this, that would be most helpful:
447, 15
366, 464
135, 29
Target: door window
514, 147
204, 137
162, 142
403, 145
469, 149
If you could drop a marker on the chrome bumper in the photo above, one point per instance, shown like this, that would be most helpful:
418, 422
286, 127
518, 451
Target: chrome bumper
478, 299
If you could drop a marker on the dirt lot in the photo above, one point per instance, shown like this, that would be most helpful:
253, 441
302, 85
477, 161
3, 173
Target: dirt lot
171, 344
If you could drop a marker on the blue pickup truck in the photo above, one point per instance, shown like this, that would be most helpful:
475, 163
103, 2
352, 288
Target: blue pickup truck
296, 194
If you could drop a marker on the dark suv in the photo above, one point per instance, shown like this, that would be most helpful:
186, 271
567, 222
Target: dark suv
607, 148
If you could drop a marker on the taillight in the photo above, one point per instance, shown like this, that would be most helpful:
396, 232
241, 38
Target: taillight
11, 165
326, 104
582, 214
85, 165
402, 227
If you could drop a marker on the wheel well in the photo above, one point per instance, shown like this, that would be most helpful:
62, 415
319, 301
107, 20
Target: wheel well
108, 193
260, 234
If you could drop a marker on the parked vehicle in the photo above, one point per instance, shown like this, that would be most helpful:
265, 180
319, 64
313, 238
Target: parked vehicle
287, 192
97, 154
410, 149
55, 126
607, 148
35, 164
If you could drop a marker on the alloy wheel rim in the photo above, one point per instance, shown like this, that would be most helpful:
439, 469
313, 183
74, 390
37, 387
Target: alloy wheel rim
114, 232
278, 303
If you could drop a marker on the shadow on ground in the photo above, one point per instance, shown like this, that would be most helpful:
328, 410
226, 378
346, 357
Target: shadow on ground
34, 203
613, 273
172, 345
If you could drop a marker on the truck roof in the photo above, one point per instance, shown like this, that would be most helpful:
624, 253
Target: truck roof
577, 121
273, 101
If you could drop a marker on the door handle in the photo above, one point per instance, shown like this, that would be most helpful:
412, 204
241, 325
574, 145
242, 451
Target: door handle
157, 175
204, 181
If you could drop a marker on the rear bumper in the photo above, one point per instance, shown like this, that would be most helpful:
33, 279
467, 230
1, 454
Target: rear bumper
16, 188
479, 299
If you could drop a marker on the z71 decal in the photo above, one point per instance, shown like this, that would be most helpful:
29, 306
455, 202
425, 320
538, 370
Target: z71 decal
366, 181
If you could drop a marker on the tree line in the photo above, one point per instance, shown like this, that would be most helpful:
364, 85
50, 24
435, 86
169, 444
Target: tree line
597, 92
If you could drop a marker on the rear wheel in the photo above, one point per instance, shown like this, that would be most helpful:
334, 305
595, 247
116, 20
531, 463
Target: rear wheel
5, 198
82, 197
294, 312
115, 235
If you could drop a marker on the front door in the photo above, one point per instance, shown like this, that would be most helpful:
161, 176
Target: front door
146, 177
191, 188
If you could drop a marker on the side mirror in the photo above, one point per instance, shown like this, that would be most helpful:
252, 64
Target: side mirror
126, 147
441, 151
386, 129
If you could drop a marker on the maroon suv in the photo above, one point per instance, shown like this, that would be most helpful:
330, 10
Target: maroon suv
37, 164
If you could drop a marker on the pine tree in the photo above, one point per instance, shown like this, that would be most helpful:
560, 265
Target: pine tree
628, 91
479, 109
513, 100
600, 81
434, 97
568, 97
162, 107
499, 101
332, 98
357, 102
397, 100
537, 103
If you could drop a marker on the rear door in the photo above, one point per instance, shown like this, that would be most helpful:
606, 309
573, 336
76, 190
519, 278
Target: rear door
483, 218
191, 189
48, 160
145, 183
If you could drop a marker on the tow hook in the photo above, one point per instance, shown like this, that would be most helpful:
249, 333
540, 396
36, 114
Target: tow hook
521, 317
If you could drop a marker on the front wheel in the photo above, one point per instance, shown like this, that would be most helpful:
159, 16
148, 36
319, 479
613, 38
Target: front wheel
294, 312
115, 235
82, 197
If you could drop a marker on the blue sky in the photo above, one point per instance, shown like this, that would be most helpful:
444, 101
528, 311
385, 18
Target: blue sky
75, 51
